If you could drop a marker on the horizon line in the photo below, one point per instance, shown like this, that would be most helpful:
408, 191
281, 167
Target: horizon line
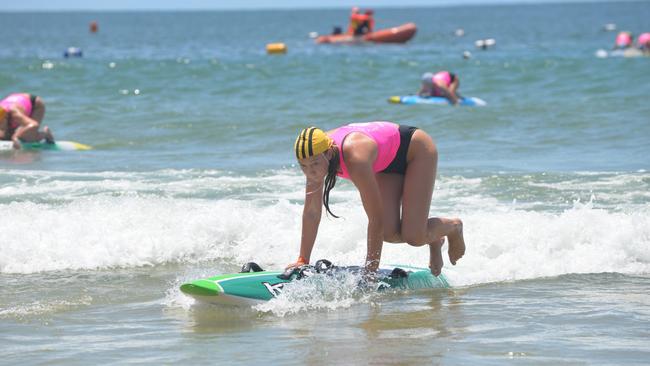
445, 3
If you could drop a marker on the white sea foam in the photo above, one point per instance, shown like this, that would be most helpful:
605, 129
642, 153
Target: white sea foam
147, 219
44, 307
322, 292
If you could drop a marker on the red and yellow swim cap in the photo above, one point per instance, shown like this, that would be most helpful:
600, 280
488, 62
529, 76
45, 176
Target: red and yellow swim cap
311, 142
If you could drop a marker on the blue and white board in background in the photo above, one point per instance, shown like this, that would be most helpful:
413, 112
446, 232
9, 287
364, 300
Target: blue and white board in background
628, 52
414, 99
58, 145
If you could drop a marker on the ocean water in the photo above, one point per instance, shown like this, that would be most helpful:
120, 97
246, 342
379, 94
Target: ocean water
192, 174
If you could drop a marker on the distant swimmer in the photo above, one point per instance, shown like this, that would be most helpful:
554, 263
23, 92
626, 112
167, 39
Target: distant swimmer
21, 115
394, 169
643, 42
623, 40
441, 84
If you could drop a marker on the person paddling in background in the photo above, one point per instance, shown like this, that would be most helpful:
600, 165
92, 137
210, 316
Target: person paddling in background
441, 84
623, 41
643, 42
394, 168
21, 115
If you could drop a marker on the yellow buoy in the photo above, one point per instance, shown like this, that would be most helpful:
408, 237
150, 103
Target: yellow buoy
276, 48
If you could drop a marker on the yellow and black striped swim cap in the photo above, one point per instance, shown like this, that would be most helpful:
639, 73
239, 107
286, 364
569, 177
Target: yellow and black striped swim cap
312, 141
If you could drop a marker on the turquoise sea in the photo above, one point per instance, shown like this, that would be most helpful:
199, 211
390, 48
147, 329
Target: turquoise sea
192, 174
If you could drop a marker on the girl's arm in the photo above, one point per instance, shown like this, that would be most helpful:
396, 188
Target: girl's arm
311, 215
359, 160
424, 91
449, 94
4, 126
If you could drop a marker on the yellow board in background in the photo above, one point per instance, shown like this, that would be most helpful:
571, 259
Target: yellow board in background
80, 146
276, 48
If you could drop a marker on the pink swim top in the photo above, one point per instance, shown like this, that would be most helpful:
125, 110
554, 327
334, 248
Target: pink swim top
20, 99
643, 39
623, 39
385, 134
443, 76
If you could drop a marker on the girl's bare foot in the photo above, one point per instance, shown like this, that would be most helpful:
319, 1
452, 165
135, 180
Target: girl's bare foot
435, 257
48, 135
456, 242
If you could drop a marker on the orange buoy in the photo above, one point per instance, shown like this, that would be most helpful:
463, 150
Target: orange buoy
93, 27
276, 48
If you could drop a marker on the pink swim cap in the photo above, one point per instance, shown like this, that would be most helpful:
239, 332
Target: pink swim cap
624, 39
643, 39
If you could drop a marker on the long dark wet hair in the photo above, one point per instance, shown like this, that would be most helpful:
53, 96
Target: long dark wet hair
330, 179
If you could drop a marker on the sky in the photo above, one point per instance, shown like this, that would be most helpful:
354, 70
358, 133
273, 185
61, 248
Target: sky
94, 5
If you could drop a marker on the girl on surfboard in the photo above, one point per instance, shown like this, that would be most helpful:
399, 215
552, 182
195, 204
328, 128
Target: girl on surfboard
21, 115
441, 84
394, 168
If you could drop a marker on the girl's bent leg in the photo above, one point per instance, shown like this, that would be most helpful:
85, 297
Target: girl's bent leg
32, 134
390, 186
416, 197
453, 230
38, 110
435, 257
417, 228
418, 188
47, 135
